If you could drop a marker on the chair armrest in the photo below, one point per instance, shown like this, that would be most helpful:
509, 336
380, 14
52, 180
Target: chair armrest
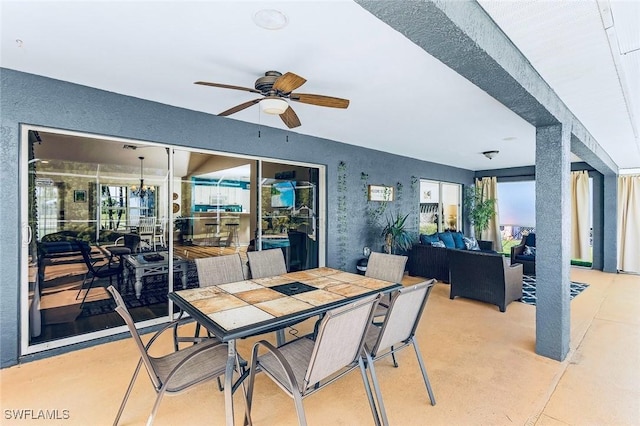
286, 367
118, 241
513, 273
516, 250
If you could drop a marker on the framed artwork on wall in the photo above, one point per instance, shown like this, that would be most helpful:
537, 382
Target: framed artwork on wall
79, 196
380, 193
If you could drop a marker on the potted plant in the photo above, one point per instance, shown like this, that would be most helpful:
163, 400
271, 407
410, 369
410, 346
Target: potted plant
479, 210
182, 226
396, 235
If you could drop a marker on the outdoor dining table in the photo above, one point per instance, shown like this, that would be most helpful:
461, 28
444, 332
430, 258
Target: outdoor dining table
256, 306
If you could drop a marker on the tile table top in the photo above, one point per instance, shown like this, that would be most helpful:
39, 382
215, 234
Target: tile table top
250, 307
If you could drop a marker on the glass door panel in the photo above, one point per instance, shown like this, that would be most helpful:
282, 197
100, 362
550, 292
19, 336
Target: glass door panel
78, 201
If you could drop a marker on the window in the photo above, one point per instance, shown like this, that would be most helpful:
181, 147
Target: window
439, 206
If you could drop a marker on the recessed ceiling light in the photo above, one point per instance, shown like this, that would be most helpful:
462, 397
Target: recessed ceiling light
270, 19
19, 42
509, 138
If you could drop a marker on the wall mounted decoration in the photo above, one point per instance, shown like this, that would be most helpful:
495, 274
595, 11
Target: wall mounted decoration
380, 193
79, 196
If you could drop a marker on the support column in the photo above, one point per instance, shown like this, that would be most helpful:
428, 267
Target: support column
610, 241
553, 240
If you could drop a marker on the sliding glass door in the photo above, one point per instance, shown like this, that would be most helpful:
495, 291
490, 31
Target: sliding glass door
149, 211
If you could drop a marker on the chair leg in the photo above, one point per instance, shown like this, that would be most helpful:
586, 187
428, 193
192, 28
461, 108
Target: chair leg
367, 388
154, 410
249, 391
126, 395
302, 421
376, 388
424, 371
393, 357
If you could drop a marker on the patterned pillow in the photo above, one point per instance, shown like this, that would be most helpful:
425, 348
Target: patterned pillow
529, 251
438, 244
471, 243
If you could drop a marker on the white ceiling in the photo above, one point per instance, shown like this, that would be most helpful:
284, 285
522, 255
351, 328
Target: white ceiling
402, 100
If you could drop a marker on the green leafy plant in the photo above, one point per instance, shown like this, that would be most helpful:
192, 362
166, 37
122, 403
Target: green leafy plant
479, 210
395, 234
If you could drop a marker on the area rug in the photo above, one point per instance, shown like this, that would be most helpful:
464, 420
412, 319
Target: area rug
155, 290
529, 289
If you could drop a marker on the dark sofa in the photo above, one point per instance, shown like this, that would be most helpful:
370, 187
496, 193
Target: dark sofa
428, 261
486, 277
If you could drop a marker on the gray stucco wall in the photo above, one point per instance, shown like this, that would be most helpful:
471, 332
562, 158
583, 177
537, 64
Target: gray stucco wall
30, 99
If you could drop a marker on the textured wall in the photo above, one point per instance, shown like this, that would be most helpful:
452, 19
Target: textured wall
40, 101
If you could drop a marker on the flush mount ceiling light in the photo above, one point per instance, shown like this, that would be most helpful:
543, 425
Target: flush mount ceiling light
273, 105
490, 154
270, 19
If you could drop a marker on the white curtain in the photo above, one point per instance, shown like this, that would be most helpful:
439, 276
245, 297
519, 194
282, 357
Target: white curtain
629, 223
580, 216
489, 186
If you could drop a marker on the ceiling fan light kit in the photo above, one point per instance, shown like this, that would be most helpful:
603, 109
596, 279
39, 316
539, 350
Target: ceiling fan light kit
276, 88
273, 105
490, 154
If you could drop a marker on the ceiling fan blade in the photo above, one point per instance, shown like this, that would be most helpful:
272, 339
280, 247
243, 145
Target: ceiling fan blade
288, 82
290, 118
320, 100
227, 86
239, 107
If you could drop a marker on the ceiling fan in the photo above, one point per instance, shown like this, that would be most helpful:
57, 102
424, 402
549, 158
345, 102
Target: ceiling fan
275, 88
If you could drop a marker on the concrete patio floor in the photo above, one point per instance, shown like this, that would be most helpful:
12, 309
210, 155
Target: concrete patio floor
482, 366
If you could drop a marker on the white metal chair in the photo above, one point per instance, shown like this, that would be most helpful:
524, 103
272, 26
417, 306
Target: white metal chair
396, 333
303, 366
176, 371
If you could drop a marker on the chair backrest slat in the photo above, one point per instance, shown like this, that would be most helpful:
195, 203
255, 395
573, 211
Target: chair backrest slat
147, 225
403, 316
388, 267
219, 270
266, 263
339, 340
121, 309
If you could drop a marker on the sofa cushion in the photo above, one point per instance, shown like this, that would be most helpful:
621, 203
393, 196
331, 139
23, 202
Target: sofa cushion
471, 243
447, 239
526, 257
428, 238
529, 251
438, 244
458, 240
530, 240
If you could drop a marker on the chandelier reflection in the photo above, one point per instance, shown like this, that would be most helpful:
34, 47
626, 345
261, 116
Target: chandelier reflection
143, 190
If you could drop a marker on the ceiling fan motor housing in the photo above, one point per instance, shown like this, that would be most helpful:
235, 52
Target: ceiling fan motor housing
264, 84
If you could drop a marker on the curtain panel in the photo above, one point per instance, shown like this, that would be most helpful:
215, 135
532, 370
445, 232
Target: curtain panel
629, 223
580, 216
489, 186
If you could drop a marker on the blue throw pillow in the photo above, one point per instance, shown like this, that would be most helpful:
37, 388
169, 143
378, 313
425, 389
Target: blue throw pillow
438, 244
428, 239
530, 240
447, 239
458, 240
